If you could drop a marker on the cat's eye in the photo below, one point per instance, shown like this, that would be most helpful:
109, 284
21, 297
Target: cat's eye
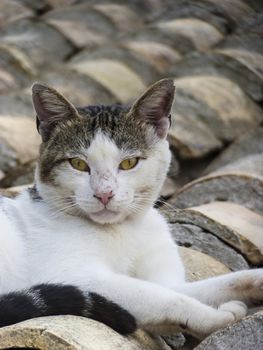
79, 164
129, 163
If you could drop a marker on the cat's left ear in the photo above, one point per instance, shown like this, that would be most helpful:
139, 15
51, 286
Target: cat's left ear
154, 106
51, 108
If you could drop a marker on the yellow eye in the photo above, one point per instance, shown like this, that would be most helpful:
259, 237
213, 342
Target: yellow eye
128, 164
79, 164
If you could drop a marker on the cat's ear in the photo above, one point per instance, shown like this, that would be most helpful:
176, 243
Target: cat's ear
154, 106
51, 108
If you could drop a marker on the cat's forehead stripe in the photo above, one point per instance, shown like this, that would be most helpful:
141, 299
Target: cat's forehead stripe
102, 149
105, 118
112, 121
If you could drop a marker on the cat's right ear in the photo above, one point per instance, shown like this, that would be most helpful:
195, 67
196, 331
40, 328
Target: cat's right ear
154, 106
51, 108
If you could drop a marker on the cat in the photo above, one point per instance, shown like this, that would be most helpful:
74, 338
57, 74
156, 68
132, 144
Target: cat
87, 240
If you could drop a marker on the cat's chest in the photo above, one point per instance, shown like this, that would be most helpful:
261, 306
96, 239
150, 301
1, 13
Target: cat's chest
74, 248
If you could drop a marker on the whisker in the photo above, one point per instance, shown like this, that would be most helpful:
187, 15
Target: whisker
63, 209
167, 206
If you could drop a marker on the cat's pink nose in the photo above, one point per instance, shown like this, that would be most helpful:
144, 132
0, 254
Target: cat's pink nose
104, 197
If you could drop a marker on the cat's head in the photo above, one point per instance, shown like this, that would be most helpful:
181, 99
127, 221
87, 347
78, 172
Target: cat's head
103, 163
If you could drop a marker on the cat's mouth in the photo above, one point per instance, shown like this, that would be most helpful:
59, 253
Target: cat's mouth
104, 216
105, 211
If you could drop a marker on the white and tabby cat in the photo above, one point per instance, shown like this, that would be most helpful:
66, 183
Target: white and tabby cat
86, 239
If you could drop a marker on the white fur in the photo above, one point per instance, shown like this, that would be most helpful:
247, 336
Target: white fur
126, 255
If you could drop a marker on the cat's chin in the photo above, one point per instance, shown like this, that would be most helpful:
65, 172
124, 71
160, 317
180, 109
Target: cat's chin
106, 216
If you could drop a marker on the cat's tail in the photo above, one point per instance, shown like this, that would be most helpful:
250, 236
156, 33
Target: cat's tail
59, 299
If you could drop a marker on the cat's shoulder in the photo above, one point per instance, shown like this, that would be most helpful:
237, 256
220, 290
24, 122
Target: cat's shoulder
154, 215
155, 224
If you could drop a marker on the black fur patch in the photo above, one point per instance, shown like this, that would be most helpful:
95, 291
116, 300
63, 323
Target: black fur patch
111, 314
56, 299
16, 307
60, 299
41, 300
33, 193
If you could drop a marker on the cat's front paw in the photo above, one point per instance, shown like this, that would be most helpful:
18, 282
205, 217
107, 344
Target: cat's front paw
235, 308
215, 319
226, 314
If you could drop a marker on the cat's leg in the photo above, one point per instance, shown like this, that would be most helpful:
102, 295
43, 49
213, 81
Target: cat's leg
246, 286
161, 310
163, 265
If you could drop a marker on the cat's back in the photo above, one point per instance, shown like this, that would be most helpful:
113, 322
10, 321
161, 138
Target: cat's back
13, 268
10, 230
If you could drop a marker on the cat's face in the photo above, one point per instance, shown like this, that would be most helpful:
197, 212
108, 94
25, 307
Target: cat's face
105, 164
